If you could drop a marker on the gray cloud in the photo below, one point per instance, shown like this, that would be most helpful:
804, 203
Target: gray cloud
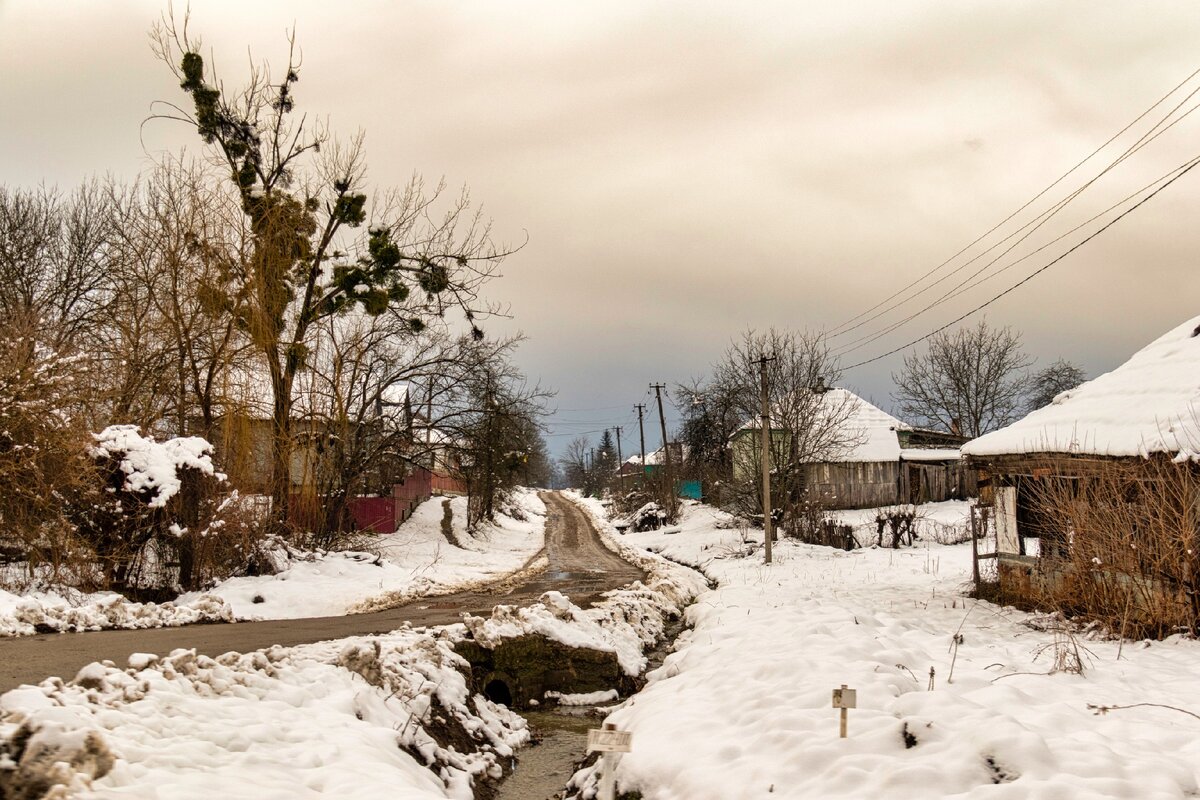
684, 170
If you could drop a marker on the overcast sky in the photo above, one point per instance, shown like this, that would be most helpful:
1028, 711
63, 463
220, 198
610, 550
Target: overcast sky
683, 170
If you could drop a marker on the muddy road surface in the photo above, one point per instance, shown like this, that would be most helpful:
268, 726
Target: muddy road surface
579, 566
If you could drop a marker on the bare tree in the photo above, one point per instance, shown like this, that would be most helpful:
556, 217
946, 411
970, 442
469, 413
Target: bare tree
1052, 381
574, 463
969, 381
53, 261
808, 424
305, 205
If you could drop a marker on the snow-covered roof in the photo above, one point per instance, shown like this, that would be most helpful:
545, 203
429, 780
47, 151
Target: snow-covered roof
655, 457
1149, 404
871, 428
395, 394
930, 454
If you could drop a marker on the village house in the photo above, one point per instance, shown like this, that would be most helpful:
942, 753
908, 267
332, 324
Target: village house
410, 459
1096, 485
874, 459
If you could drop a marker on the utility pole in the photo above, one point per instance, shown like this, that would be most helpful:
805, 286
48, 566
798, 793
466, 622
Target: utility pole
620, 459
489, 445
429, 426
766, 457
641, 408
662, 421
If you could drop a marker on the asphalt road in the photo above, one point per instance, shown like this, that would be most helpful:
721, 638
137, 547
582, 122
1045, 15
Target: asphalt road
579, 565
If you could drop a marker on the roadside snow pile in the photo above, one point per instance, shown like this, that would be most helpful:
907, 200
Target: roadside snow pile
626, 622
585, 699
367, 717
415, 561
46, 612
955, 698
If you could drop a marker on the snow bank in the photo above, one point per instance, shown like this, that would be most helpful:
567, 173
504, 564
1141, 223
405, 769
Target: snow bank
625, 622
41, 612
742, 708
368, 717
415, 561
584, 699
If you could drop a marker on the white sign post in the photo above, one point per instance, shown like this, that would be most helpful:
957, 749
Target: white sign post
845, 699
611, 744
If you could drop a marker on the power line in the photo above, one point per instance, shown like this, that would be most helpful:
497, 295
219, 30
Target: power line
1037, 223
1183, 170
966, 285
848, 325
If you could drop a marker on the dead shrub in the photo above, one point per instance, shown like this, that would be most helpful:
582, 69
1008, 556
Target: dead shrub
42, 452
898, 523
1119, 545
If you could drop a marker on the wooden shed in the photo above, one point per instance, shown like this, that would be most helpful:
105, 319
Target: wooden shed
1099, 490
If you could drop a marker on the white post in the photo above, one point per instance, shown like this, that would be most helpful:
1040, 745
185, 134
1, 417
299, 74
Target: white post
611, 744
608, 777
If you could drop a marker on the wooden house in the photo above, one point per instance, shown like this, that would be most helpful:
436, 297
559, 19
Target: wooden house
1109, 454
878, 460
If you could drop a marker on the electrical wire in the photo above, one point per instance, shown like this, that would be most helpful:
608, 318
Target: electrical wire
1180, 172
849, 325
971, 282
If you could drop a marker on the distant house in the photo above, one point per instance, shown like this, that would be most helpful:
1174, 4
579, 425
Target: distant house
656, 462
879, 460
1136, 421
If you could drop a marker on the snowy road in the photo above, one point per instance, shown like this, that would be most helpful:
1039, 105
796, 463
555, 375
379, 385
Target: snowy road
579, 566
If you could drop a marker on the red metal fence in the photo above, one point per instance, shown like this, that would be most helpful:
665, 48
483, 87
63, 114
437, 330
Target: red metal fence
382, 514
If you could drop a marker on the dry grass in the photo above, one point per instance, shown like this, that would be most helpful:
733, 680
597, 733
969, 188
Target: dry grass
1120, 546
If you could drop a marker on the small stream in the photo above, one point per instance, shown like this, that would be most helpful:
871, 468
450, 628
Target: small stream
560, 739
544, 767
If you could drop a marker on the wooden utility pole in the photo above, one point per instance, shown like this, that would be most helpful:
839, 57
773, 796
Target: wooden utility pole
641, 408
765, 424
662, 421
668, 474
620, 458
489, 445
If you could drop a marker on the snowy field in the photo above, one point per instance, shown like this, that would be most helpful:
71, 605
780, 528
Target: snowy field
416, 560
743, 709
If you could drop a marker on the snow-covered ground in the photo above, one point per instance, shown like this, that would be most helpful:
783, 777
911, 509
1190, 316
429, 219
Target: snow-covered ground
355, 718
361, 717
743, 707
416, 560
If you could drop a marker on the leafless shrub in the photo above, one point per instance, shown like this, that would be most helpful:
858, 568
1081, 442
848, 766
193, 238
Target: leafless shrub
1118, 545
1066, 653
42, 451
898, 523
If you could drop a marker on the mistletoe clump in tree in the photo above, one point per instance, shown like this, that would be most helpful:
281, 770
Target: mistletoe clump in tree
318, 246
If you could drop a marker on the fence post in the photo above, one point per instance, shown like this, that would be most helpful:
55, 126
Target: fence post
975, 550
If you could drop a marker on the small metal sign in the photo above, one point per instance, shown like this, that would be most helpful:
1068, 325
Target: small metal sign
609, 741
845, 698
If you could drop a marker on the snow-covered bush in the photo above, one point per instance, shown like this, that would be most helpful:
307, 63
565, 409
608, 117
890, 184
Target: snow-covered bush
159, 515
649, 517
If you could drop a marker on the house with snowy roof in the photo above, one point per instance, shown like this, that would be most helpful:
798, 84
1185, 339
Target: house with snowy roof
846, 452
1041, 473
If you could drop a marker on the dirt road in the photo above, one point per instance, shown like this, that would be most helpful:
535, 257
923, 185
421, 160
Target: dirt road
580, 566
